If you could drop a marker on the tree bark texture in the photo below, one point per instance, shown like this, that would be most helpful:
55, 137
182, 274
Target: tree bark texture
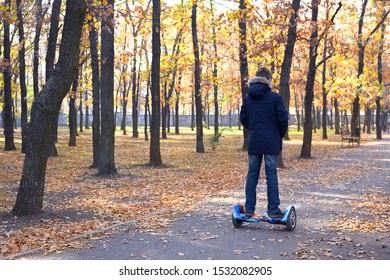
29, 199
284, 88
148, 84
324, 90
198, 94
81, 114
93, 41
50, 60
22, 73
73, 113
53, 36
178, 91
380, 81
336, 116
38, 28
107, 140
155, 154
7, 76
215, 75
134, 90
243, 49
309, 89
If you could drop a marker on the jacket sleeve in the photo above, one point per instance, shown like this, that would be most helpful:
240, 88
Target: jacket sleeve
282, 116
243, 115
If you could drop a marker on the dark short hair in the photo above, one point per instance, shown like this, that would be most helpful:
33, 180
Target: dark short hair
264, 72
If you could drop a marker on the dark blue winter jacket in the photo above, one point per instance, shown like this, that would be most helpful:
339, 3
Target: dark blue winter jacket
265, 116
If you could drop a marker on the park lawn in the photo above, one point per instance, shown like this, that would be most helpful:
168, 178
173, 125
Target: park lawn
77, 201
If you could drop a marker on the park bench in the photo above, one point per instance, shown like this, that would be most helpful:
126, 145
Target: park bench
346, 136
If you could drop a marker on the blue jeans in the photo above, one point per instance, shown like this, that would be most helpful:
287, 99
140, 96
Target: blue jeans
271, 164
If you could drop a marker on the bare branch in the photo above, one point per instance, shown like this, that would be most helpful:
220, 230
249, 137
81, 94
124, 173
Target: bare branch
377, 27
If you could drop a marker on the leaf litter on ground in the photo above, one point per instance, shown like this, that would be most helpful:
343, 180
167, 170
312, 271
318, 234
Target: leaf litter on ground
77, 201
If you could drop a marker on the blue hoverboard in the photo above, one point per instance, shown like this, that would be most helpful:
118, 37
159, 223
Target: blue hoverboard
289, 218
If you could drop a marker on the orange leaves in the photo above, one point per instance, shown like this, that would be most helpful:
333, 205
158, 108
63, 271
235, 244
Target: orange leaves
375, 205
47, 234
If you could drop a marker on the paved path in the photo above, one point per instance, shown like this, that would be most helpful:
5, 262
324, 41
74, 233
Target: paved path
208, 233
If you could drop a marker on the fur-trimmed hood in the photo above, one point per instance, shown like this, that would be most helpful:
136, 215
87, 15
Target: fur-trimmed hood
258, 87
262, 80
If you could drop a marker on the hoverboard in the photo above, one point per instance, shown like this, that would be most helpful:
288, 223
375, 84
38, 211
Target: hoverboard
289, 218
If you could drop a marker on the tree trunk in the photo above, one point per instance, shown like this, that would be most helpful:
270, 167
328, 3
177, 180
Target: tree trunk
215, 76
324, 90
192, 109
330, 118
134, 88
73, 113
147, 96
22, 73
125, 93
155, 154
309, 89
2, 112
314, 118
368, 120
135, 96
336, 116
169, 92
147, 106
198, 94
86, 110
93, 40
243, 62
177, 132
15, 105
53, 35
106, 157
284, 89
361, 47
380, 81
355, 121
46, 106
318, 116
164, 111
81, 114
38, 28
7, 76
298, 115
50, 60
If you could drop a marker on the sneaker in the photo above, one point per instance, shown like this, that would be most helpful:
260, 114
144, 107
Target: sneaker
277, 214
249, 214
